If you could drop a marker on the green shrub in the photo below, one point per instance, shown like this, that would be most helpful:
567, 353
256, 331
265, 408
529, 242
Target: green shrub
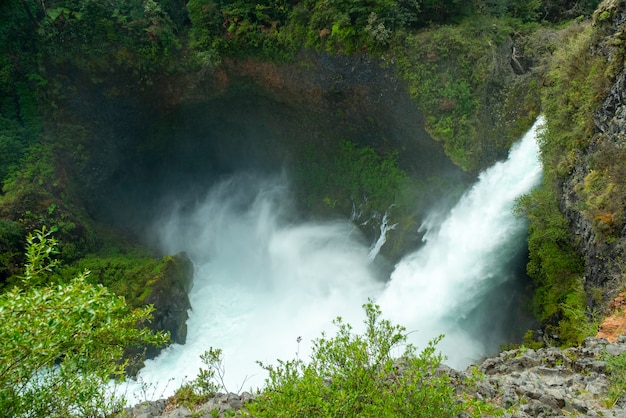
210, 379
359, 375
61, 344
556, 268
616, 370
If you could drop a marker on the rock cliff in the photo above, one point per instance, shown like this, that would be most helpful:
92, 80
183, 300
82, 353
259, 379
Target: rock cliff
590, 194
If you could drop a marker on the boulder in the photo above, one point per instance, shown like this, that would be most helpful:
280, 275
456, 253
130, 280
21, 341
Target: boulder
169, 296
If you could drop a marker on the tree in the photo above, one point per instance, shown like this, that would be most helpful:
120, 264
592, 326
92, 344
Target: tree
63, 343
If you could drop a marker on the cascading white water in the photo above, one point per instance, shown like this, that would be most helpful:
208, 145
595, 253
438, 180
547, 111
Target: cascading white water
433, 290
382, 238
262, 280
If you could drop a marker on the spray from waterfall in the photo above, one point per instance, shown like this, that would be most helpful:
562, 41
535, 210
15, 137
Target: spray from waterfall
265, 281
445, 287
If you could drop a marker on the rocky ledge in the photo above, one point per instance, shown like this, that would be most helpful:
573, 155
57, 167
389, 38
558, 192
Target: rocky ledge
549, 382
221, 405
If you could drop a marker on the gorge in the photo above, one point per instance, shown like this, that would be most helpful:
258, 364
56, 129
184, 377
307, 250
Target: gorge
266, 285
305, 157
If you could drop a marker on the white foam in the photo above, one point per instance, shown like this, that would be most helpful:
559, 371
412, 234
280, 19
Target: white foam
261, 281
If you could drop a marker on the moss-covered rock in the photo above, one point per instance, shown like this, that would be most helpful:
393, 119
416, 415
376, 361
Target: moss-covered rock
167, 292
583, 155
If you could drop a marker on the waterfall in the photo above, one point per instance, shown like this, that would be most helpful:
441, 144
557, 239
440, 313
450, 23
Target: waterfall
442, 287
382, 238
264, 280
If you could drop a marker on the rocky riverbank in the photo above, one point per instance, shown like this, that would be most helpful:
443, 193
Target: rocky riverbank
548, 382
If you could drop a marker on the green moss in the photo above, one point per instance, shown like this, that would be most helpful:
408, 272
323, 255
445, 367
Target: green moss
132, 272
601, 192
447, 69
559, 301
578, 84
124, 272
348, 175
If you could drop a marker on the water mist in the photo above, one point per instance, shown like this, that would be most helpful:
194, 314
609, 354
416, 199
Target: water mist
263, 279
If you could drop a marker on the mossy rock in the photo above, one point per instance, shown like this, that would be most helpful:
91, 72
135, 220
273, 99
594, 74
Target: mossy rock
142, 280
168, 293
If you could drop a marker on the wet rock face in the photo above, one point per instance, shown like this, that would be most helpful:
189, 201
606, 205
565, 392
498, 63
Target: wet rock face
169, 296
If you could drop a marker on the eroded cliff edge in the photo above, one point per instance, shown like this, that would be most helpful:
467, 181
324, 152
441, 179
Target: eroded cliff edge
592, 180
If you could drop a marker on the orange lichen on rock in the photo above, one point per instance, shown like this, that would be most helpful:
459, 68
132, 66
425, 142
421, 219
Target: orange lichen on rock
614, 325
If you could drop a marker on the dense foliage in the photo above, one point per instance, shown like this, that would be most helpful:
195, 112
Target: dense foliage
559, 300
134, 43
579, 79
61, 344
351, 176
444, 51
446, 68
375, 373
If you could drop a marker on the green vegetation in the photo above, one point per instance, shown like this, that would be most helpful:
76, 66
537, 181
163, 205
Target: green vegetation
11, 237
579, 83
462, 80
346, 178
129, 273
579, 78
348, 175
209, 381
556, 269
138, 36
279, 29
375, 373
240, 28
616, 370
444, 50
446, 69
63, 343
600, 192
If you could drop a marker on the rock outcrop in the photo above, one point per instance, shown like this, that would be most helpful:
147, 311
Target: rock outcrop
599, 231
169, 295
220, 405
551, 382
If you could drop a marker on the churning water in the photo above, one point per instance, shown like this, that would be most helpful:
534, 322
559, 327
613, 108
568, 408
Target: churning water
263, 280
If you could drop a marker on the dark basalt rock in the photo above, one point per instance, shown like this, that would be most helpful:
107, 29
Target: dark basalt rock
169, 296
